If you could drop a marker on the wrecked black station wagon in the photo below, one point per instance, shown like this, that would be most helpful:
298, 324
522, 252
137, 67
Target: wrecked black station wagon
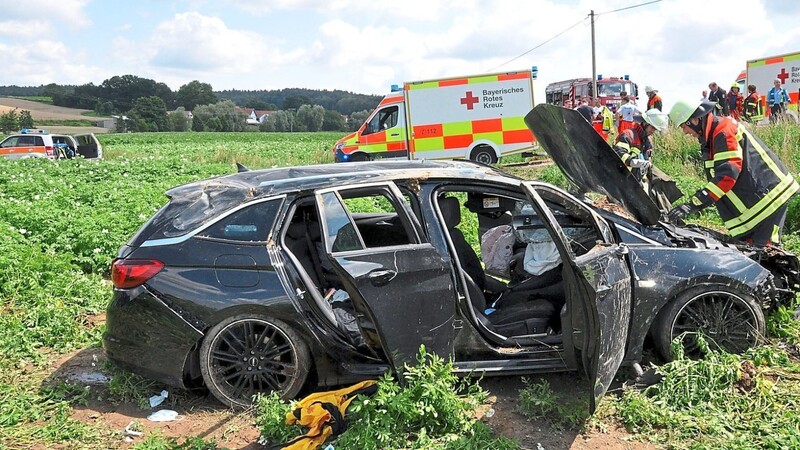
270, 280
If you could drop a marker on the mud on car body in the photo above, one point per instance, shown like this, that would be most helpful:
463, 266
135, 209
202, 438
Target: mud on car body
275, 279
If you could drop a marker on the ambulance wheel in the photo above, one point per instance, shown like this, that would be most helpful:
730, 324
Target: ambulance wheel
249, 354
483, 154
728, 318
359, 157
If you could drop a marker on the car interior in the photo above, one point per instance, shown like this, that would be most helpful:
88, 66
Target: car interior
515, 299
513, 271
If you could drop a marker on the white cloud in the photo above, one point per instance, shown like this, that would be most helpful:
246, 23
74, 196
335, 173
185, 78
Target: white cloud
57, 12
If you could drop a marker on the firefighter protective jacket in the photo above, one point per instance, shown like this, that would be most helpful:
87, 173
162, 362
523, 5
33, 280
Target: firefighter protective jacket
654, 102
753, 110
746, 180
632, 143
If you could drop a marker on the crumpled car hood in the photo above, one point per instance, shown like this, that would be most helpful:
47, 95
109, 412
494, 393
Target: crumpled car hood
587, 160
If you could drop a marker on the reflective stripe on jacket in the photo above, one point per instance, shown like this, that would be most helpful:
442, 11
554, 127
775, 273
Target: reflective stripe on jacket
753, 110
746, 179
632, 143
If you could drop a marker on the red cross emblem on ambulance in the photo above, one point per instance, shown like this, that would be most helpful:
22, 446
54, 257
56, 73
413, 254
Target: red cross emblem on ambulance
469, 100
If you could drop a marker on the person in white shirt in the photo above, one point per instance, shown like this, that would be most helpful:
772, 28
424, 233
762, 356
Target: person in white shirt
625, 114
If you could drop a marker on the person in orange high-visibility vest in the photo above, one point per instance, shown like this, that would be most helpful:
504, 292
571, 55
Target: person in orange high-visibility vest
653, 99
753, 110
749, 185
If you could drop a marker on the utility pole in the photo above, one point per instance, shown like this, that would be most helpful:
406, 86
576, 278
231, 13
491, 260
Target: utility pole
594, 66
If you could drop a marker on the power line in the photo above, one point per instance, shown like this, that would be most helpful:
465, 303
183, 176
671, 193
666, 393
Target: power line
571, 27
534, 48
628, 7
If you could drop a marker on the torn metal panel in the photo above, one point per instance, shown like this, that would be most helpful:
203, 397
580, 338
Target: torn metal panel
587, 160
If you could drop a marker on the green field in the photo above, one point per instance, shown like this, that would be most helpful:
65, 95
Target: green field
63, 222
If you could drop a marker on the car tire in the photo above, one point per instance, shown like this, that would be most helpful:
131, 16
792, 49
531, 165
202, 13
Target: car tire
729, 318
359, 157
483, 154
248, 354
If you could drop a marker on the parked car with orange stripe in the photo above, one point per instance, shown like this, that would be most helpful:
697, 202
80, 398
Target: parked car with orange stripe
475, 117
34, 143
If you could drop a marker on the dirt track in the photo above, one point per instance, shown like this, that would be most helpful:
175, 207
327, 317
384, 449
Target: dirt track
201, 415
43, 111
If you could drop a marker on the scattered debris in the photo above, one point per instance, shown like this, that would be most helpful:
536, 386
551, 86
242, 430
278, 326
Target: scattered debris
164, 415
133, 429
158, 399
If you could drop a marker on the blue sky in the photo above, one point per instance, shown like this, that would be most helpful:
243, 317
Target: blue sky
677, 46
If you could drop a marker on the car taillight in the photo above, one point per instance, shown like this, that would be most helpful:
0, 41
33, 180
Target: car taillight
129, 273
49, 150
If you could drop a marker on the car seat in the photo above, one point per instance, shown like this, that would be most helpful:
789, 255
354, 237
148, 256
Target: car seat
451, 212
532, 317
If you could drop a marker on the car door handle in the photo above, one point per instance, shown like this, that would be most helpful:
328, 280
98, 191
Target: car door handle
395, 134
380, 277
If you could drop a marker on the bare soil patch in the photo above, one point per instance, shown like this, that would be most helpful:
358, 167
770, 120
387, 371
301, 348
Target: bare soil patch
43, 111
201, 415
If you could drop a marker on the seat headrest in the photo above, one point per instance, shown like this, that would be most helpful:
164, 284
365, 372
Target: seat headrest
451, 210
296, 230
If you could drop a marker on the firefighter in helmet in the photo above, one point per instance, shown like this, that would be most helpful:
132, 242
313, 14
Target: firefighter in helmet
653, 99
634, 146
746, 181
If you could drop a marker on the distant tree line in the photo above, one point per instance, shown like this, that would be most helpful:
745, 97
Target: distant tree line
343, 102
143, 104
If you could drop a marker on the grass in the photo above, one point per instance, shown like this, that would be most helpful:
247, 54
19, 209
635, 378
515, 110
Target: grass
61, 223
430, 409
721, 401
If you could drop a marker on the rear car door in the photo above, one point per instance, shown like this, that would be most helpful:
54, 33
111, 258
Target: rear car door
400, 287
598, 289
88, 146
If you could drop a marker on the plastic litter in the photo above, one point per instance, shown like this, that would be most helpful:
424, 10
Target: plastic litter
158, 399
490, 412
329, 447
165, 415
131, 432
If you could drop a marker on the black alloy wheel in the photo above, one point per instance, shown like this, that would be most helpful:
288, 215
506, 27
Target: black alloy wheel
727, 318
248, 354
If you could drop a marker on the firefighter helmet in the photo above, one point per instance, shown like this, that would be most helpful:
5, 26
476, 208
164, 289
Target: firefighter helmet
649, 89
684, 110
653, 117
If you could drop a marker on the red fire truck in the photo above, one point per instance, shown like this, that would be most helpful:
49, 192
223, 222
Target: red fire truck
570, 92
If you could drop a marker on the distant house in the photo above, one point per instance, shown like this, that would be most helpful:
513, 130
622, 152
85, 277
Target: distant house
256, 116
110, 123
187, 114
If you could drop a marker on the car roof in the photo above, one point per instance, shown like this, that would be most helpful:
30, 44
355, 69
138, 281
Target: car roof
267, 182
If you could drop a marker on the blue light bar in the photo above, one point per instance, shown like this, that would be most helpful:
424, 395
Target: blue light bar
396, 87
534, 72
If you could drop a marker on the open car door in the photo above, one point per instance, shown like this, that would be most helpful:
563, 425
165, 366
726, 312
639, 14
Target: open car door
399, 285
597, 287
88, 146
